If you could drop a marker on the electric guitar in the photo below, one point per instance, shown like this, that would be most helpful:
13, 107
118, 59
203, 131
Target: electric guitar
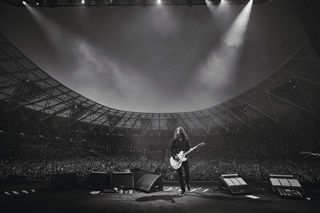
176, 164
310, 154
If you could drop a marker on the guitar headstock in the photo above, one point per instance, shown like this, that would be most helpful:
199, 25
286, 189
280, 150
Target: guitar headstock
201, 144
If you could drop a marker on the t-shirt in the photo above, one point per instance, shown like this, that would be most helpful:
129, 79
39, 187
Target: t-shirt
177, 146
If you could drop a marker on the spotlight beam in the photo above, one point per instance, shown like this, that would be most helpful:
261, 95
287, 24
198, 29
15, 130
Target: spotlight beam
235, 35
218, 70
52, 30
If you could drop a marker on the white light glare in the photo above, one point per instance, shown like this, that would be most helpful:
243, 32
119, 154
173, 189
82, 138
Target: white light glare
24, 3
235, 35
158, 1
83, 2
218, 70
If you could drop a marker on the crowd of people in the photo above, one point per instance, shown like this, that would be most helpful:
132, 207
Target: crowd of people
253, 153
82, 167
200, 170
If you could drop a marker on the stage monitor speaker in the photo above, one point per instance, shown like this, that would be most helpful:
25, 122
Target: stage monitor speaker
149, 183
233, 184
122, 180
98, 181
137, 175
64, 181
286, 186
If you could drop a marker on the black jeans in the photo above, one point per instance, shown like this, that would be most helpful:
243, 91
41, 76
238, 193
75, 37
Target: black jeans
185, 166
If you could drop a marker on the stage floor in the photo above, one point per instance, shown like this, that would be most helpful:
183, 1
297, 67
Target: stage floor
199, 199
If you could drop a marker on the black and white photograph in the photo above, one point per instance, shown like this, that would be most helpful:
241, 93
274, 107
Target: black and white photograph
139, 106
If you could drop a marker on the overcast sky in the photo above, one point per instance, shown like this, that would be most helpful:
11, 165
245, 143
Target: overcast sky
153, 59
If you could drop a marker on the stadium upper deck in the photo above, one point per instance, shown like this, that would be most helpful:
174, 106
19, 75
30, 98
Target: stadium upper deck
293, 86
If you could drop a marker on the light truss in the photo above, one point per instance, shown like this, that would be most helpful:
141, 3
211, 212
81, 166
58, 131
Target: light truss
105, 3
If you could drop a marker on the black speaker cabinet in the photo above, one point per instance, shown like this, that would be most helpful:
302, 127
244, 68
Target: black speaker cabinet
149, 183
64, 181
233, 184
98, 181
137, 175
122, 180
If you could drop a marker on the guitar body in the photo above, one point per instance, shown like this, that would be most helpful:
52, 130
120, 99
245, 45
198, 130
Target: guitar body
177, 164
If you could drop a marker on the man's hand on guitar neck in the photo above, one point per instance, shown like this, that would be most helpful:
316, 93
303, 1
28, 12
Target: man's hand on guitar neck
176, 158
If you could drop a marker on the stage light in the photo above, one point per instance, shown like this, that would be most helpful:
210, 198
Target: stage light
24, 3
158, 1
218, 8
37, 3
213, 2
83, 1
143, 3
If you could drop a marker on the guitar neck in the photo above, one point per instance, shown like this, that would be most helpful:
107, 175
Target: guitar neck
190, 150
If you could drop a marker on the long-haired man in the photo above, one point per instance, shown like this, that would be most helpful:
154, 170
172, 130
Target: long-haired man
180, 142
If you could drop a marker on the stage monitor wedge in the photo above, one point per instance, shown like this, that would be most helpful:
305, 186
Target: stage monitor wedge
233, 184
149, 183
286, 186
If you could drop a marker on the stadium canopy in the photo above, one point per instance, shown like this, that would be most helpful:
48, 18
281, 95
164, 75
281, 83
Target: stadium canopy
293, 86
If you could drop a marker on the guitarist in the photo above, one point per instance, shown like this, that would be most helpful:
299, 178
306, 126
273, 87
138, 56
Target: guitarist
180, 142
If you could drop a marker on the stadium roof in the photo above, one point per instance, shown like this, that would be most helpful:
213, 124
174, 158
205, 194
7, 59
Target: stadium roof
294, 85
101, 3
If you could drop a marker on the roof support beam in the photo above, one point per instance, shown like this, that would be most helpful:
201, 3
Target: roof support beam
129, 117
89, 114
103, 114
236, 116
289, 102
263, 113
135, 121
201, 124
64, 108
184, 123
92, 128
220, 124
50, 97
